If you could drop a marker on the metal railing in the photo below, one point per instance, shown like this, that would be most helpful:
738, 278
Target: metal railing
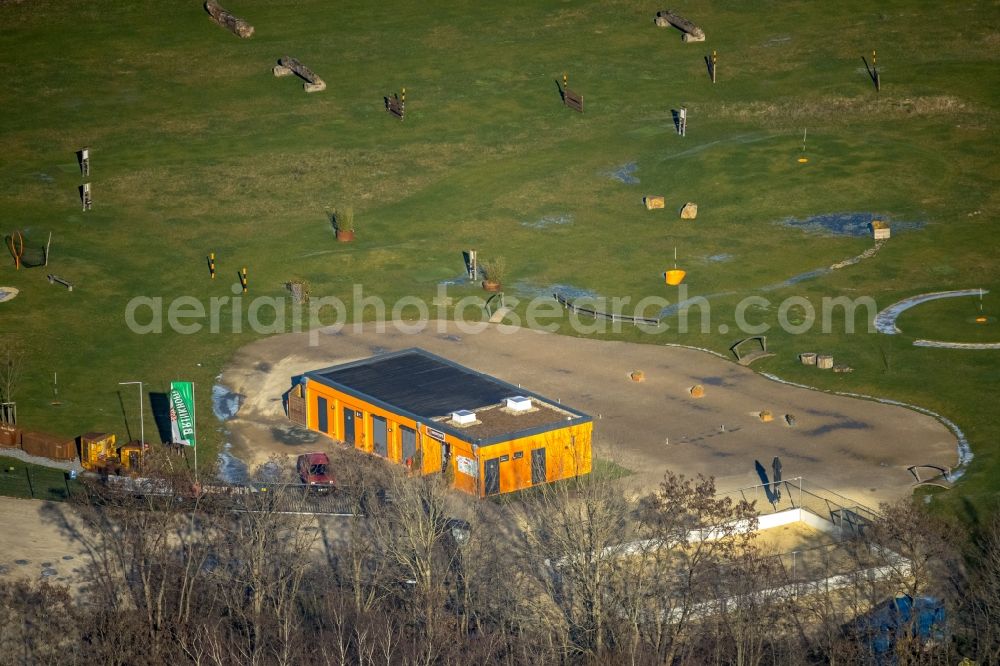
597, 314
797, 493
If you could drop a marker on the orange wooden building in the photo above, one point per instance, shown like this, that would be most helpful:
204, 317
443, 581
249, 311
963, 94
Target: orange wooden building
426, 412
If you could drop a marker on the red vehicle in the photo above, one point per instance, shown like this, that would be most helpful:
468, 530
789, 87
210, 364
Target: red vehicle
314, 470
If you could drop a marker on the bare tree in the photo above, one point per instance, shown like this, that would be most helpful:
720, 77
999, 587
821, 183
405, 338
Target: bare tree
573, 544
11, 366
146, 550
575, 572
267, 551
413, 532
36, 622
701, 536
980, 594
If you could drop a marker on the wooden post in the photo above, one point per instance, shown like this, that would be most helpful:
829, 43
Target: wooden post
47, 246
16, 242
715, 61
565, 82
243, 279
402, 105
211, 264
875, 77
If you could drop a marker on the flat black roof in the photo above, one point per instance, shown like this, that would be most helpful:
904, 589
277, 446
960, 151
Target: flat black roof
425, 386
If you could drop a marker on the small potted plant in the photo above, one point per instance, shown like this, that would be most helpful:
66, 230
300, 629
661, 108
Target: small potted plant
494, 272
343, 222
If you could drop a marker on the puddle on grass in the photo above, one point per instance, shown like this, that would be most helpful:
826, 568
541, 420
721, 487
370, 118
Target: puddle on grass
687, 302
270, 472
293, 435
225, 403
624, 173
461, 279
533, 290
548, 221
719, 258
795, 279
846, 224
776, 41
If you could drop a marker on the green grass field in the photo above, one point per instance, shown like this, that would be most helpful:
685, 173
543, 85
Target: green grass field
197, 148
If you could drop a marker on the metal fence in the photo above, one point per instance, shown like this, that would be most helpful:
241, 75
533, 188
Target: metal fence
36, 482
256, 497
44, 483
293, 499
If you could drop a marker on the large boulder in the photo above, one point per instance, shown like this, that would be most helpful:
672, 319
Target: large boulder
689, 211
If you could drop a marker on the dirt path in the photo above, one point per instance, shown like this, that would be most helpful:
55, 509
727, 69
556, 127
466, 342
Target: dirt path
858, 448
36, 543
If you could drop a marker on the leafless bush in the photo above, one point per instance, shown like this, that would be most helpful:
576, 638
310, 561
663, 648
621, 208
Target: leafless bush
577, 572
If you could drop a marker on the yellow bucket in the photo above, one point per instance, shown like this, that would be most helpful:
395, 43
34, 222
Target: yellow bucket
675, 276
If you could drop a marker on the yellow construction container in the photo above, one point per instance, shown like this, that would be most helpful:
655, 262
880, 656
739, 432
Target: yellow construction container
130, 456
97, 449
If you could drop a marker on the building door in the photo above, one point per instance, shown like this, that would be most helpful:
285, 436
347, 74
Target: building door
491, 477
349, 425
445, 456
409, 445
380, 433
537, 466
322, 414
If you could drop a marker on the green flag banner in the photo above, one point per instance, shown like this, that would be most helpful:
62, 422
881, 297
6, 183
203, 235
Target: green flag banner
182, 413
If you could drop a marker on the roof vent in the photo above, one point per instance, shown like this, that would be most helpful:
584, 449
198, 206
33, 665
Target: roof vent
518, 403
463, 417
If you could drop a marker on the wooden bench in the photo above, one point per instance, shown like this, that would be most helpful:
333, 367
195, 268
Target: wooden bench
573, 100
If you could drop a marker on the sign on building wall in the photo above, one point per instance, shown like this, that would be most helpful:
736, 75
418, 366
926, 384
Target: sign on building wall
467, 466
436, 434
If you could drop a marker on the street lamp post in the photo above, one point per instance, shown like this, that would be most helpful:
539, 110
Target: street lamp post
142, 430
